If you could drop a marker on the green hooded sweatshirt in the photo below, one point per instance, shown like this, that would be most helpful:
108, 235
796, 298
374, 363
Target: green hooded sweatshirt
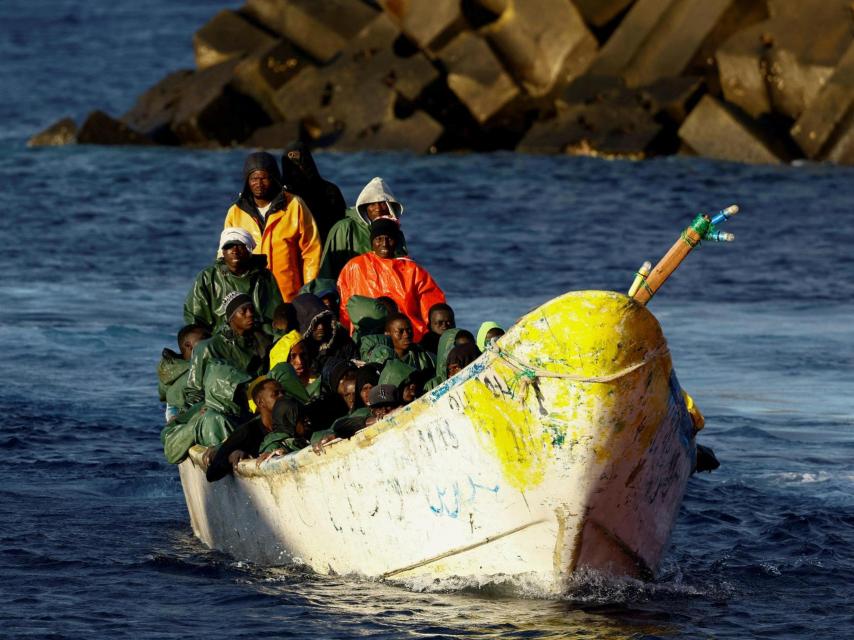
211, 423
367, 316
351, 236
172, 377
248, 353
446, 343
203, 304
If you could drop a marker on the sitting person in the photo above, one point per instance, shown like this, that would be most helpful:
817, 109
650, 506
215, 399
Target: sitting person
488, 333
407, 380
399, 328
460, 357
367, 377
237, 269
320, 331
440, 318
450, 339
174, 367
351, 236
253, 437
379, 273
285, 334
210, 422
382, 400
239, 343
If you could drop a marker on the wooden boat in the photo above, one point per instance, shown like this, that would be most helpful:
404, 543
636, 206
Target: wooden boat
568, 445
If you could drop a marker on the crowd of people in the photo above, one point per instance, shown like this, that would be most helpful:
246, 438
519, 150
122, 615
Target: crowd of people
312, 322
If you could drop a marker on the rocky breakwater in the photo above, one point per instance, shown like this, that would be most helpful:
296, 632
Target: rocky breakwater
747, 80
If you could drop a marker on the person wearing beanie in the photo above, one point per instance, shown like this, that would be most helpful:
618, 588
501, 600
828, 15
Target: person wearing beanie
239, 343
279, 222
351, 236
237, 269
380, 273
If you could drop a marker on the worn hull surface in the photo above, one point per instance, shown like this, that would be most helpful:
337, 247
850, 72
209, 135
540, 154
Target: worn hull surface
568, 447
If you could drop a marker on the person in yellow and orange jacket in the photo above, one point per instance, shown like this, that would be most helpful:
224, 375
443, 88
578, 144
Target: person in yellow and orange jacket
281, 224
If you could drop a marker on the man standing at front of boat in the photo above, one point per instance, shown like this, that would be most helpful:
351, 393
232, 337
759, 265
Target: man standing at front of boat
280, 223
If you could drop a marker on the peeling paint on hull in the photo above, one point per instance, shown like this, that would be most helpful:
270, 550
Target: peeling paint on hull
493, 473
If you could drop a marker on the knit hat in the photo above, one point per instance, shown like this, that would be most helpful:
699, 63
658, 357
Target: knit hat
233, 301
367, 374
333, 370
385, 227
383, 395
236, 235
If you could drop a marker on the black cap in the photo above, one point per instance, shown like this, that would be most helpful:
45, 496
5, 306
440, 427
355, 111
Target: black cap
385, 227
383, 395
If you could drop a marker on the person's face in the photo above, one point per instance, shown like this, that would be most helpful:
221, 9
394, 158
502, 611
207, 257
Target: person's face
377, 210
243, 319
322, 330
379, 412
494, 334
260, 183
267, 397
190, 342
400, 332
408, 393
347, 390
441, 321
365, 391
236, 255
384, 246
298, 359
453, 369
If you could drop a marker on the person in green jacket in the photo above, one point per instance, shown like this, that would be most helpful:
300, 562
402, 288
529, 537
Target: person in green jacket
237, 269
351, 236
174, 366
238, 343
398, 328
446, 343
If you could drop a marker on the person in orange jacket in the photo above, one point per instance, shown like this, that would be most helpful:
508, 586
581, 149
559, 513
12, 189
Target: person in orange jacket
379, 273
281, 224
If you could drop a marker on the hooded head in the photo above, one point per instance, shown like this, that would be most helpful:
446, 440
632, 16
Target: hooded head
460, 357
334, 371
287, 415
298, 167
262, 160
485, 329
309, 311
377, 191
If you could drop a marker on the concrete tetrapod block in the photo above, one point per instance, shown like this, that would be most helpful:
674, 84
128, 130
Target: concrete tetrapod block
543, 44
658, 38
716, 130
211, 111
153, 112
321, 28
56, 135
673, 97
260, 75
824, 129
418, 133
100, 128
275, 136
358, 91
608, 130
780, 65
477, 77
601, 12
227, 35
425, 21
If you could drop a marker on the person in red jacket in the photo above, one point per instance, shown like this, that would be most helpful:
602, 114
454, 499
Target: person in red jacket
379, 273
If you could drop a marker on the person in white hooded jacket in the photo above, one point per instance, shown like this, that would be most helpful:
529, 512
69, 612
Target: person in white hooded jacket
351, 236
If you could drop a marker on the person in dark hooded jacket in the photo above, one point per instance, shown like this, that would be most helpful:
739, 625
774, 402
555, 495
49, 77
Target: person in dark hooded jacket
238, 269
280, 223
174, 367
302, 178
323, 336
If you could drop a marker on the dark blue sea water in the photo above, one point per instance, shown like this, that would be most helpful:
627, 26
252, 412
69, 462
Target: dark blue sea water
100, 246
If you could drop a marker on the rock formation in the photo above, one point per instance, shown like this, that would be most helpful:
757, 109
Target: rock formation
763, 81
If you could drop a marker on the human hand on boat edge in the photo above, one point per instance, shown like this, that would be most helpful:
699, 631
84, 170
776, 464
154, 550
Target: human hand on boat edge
317, 447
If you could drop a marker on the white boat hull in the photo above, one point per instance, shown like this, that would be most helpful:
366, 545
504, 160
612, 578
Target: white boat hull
486, 477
